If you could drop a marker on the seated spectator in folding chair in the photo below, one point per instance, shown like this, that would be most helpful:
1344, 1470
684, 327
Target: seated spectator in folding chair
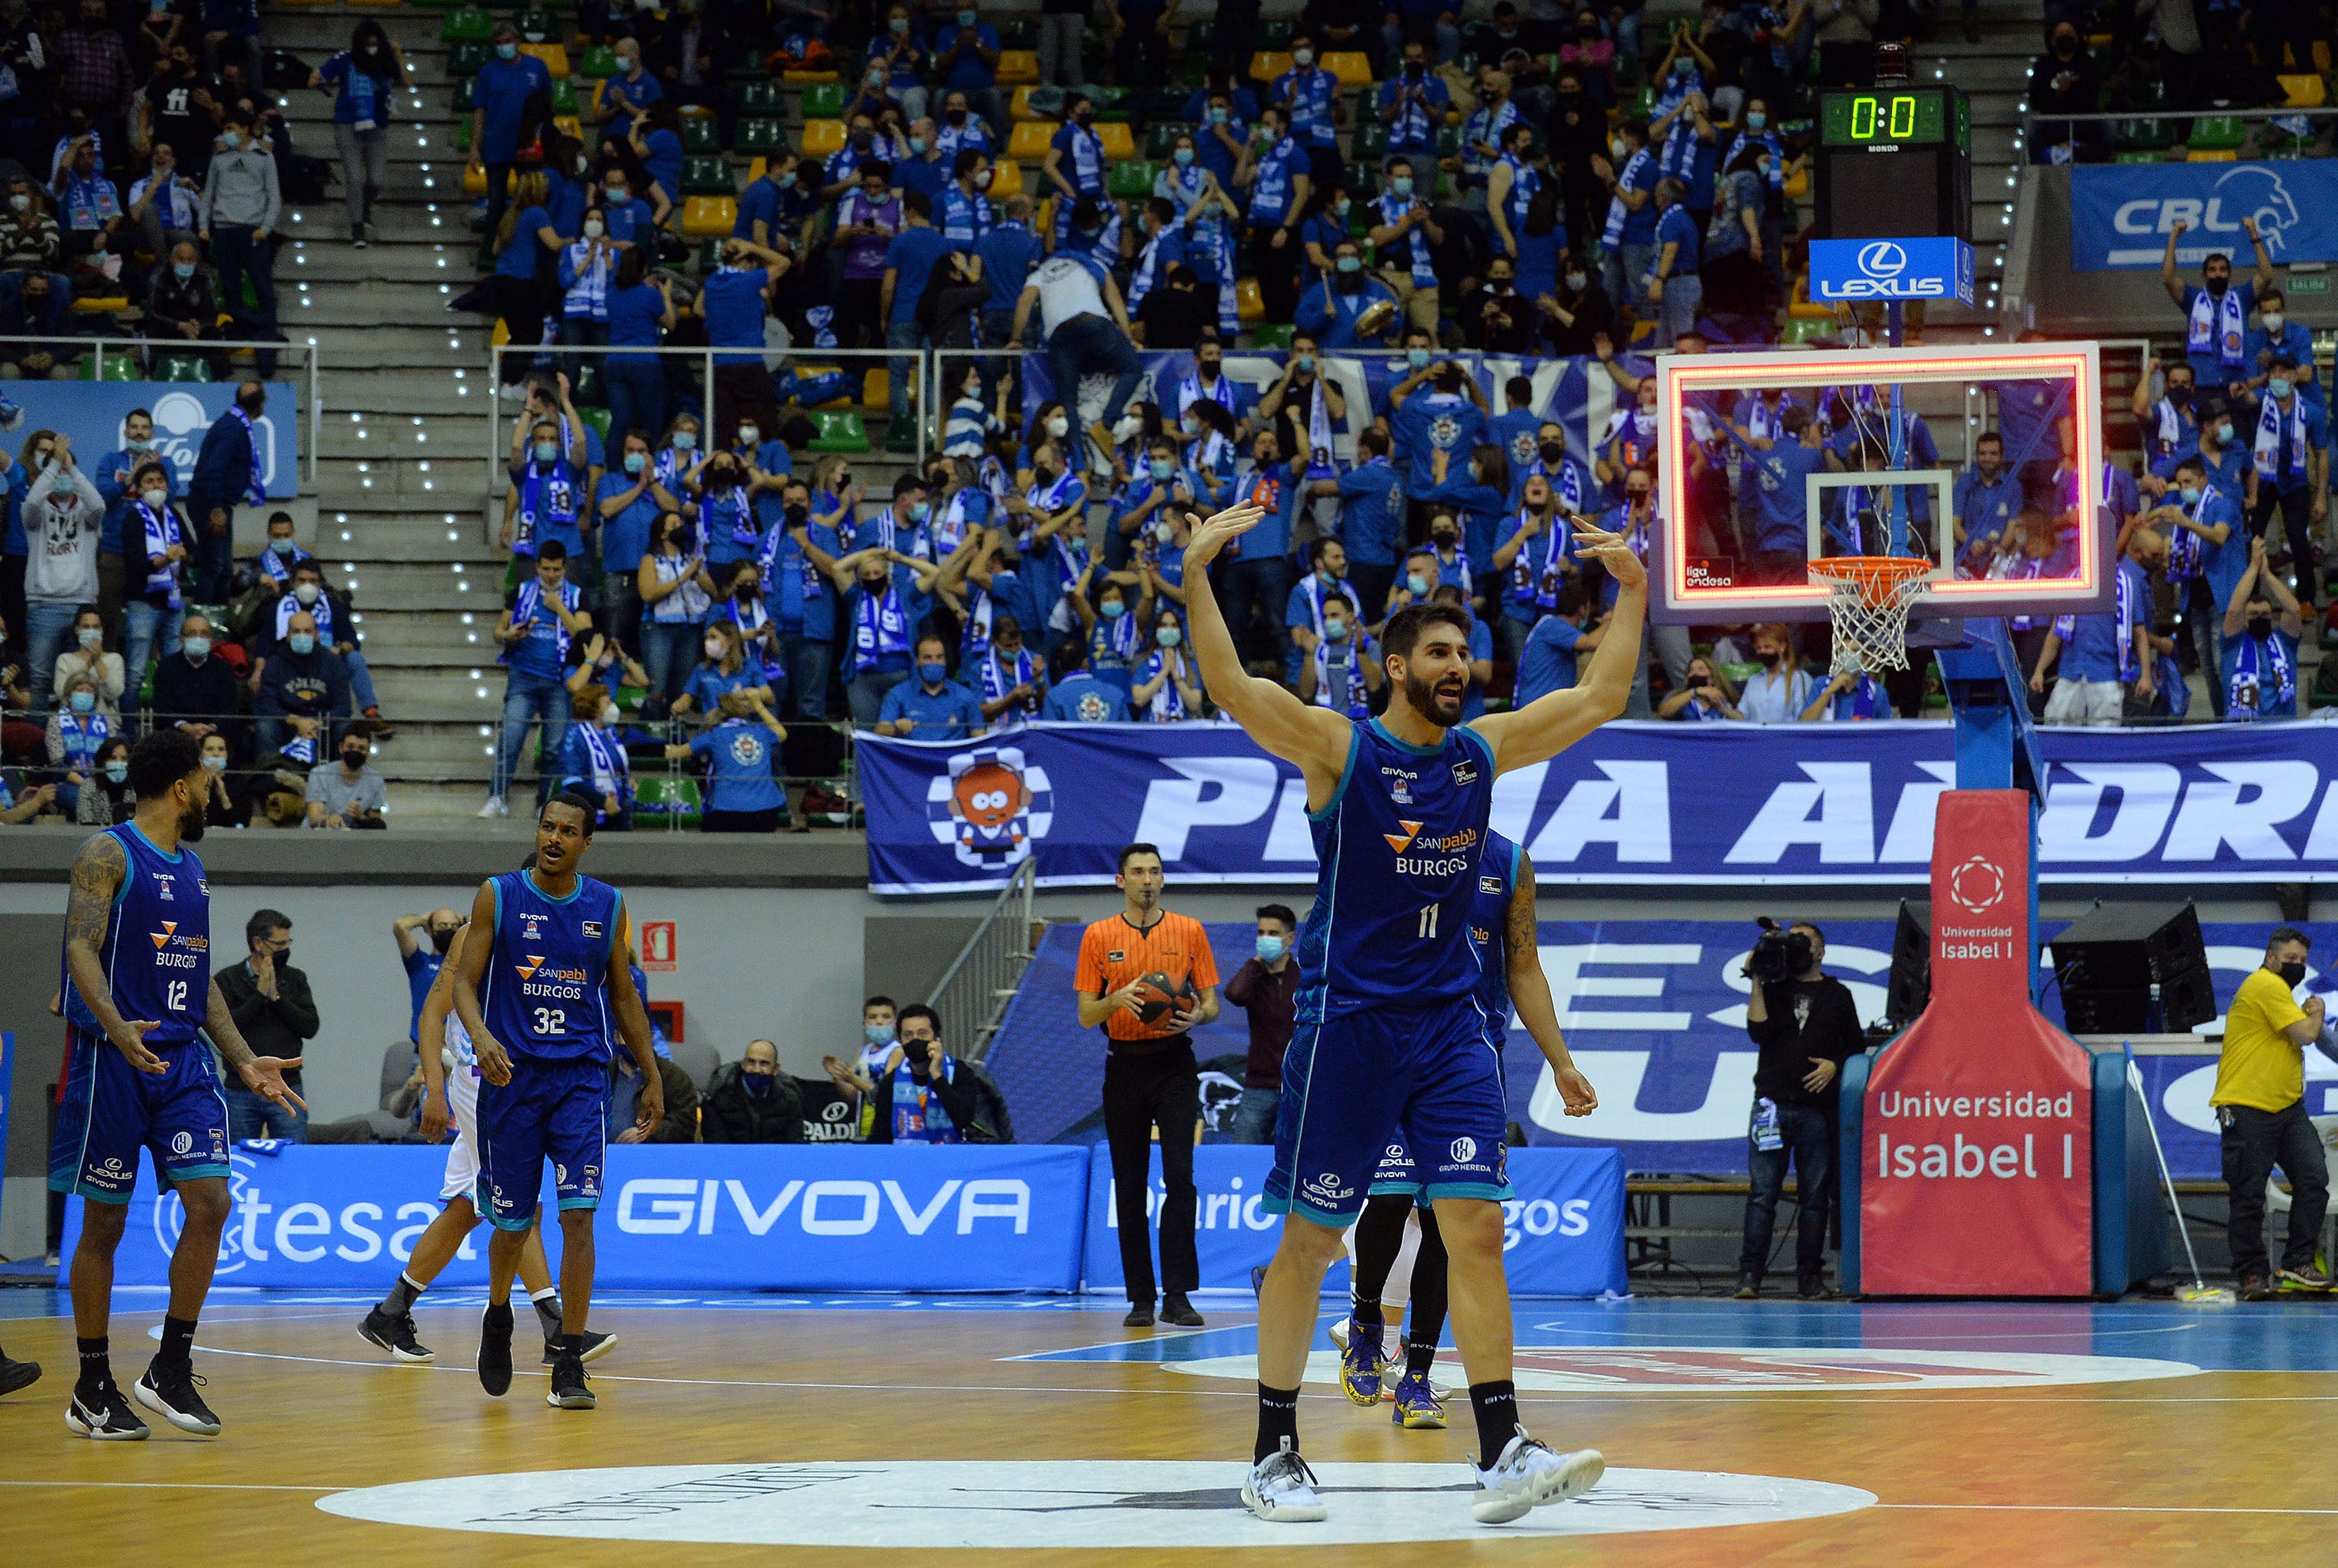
304, 679
36, 305
932, 1097
337, 629
195, 690
751, 1101
348, 793
183, 307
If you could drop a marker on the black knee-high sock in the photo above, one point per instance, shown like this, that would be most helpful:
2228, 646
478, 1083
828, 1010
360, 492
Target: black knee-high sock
1496, 1405
1379, 1237
1277, 1417
1427, 1298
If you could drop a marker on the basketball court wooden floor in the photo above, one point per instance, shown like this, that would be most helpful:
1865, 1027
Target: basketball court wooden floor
849, 1431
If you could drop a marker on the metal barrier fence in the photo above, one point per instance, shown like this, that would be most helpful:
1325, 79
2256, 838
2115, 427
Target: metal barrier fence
143, 350
981, 980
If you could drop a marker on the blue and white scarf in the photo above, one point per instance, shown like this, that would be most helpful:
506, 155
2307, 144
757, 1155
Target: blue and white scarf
2218, 326
2259, 668
751, 620
686, 605
2184, 550
998, 682
1680, 154
746, 531
289, 605
881, 628
90, 203
523, 612
1867, 700
1769, 139
1315, 592
918, 1114
1392, 211
1166, 665
279, 568
588, 297
1485, 127
1635, 168
1535, 570
1354, 700
542, 497
612, 774
82, 735
2271, 443
256, 490
1270, 192
161, 534
1087, 161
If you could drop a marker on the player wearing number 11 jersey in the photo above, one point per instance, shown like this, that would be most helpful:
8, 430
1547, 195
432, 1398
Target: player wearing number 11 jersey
1392, 1038
531, 997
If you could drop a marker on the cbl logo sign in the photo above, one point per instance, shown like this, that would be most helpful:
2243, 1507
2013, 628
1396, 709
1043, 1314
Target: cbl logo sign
1881, 270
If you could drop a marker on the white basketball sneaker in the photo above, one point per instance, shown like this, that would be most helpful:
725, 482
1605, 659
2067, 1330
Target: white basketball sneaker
1281, 1489
1530, 1475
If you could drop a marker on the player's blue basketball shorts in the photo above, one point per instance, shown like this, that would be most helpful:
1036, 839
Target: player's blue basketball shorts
1356, 1087
111, 1110
554, 1108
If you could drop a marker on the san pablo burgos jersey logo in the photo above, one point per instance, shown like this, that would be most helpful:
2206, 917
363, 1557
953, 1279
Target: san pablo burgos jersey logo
990, 806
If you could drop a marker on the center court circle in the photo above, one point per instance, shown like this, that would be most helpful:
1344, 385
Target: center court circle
1028, 1503
1752, 1369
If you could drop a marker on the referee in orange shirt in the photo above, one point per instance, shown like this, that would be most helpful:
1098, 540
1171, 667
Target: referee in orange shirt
1149, 1076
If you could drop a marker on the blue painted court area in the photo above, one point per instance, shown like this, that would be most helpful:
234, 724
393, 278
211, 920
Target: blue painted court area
1648, 1345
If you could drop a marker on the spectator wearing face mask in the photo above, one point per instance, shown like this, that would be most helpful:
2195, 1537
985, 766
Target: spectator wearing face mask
1779, 694
933, 707
270, 1001
499, 96
78, 733
63, 522
227, 473
105, 795
541, 619
1266, 988
337, 630
302, 679
931, 1096
240, 214
751, 1101
592, 760
348, 793
677, 595
588, 267
742, 796
194, 690
2259, 1100
422, 944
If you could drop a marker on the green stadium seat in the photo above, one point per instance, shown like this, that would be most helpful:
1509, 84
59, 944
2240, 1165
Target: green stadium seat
463, 136
707, 177
467, 24
841, 430
667, 799
900, 436
762, 97
2136, 157
116, 368
1018, 33
563, 96
1801, 330
761, 138
1165, 103
1161, 141
1448, 142
1201, 35
2145, 135
460, 99
824, 101
1275, 34
1113, 103
1644, 104
1270, 335
182, 367
589, 390
597, 63
536, 25
1130, 180
2217, 133
596, 418
710, 255
466, 58
1371, 145
700, 134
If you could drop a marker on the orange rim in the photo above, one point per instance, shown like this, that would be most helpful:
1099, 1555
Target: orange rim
1878, 578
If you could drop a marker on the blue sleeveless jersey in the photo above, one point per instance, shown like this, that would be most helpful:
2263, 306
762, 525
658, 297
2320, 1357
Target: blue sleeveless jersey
545, 971
157, 953
1397, 850
1489, 913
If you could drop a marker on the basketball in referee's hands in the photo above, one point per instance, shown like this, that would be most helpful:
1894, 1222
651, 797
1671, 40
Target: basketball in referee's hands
1157, 996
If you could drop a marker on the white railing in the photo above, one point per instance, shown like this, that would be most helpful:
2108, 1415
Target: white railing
981, 980
145, 348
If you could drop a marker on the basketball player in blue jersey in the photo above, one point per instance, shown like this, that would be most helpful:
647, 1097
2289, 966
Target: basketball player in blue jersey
137, 988
1390, 1035
541, 971
1502, 933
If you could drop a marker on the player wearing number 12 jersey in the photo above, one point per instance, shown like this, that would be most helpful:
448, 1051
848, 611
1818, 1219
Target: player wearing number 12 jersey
1392, 1038
137, 988
543, 944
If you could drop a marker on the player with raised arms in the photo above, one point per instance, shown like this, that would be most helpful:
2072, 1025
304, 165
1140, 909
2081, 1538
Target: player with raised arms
137, 987
543, 968
1390, 1035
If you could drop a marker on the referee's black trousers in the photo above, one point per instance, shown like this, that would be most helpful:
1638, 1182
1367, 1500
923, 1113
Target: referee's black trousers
1160, 1088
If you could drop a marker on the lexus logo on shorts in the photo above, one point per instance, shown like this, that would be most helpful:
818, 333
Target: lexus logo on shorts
1464, 1150
1978, 884
1395, 1151
1329, 1180
1882, 260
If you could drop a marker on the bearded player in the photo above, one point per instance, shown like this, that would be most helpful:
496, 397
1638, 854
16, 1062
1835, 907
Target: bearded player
1391, 1037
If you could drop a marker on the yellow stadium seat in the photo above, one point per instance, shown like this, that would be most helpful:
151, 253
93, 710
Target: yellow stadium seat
1798, 183
2322, 54
822, 137
806, 78
2213, 155
475, 182
501, 335
1800, 308
1018, 67
708, 217
1005, 180
1119, 142
1352, 66
96, 303
1248, 305
1018, 108
1269, 64
1027, 143
379, 5
569, 125
2305, 91
555, 58
755, 170
876, 389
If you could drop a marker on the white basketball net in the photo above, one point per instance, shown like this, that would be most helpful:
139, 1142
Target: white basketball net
1869, 617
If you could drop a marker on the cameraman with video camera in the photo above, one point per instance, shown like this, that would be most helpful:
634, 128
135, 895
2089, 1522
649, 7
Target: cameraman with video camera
1807, 1026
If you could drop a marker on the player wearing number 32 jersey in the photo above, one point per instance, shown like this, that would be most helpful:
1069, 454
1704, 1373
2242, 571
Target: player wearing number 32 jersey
1392, 1042
531, 998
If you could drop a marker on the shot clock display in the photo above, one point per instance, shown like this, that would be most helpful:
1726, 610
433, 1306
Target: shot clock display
1894, 163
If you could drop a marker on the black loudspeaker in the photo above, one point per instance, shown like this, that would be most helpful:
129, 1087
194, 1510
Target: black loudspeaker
2108, 959
1912, 963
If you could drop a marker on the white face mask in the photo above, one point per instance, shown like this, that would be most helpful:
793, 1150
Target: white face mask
1059, 426
155, 498
714, 647
306, 593
593, 227
2273, 320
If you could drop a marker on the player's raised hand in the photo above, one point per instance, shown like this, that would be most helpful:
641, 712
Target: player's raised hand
131, 1043
495, 1061
264, 1076
1208, 538
1575, 1090
1593, 543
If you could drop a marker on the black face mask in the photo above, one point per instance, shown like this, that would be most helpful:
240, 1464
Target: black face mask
1766, 655
2260, 626
1209, 369
2293, 975
1348, 282
353, 760
1444, 538
442, 938
1552, 452
955, 116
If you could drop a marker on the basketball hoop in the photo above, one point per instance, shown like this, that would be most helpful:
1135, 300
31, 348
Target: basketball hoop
1869, 606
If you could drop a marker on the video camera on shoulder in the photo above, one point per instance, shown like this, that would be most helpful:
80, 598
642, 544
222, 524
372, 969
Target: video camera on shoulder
1778, 952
